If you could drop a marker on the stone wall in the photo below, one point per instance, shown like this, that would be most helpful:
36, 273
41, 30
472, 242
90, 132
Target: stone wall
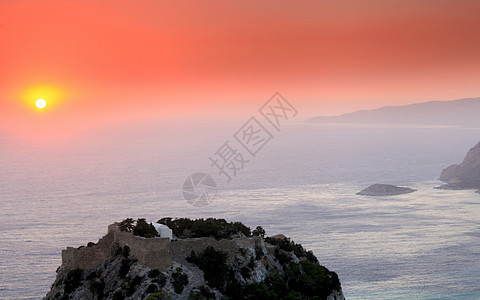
151, 252
180, 249
155, 253
88, 257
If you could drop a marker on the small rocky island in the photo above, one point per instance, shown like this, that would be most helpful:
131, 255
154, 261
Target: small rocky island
192, 259
465, 175
385, 190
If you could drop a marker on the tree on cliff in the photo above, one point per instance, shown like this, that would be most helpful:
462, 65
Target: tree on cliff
139, 227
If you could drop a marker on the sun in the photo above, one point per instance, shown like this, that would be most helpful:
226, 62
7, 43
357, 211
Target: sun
41, 103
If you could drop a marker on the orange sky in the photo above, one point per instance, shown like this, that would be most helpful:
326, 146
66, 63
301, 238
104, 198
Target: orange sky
111, 61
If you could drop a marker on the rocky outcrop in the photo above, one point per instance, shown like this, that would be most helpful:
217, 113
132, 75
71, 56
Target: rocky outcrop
130, 272
465, 175
385, 190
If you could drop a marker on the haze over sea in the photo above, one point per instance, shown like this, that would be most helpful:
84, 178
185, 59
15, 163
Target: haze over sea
423, 245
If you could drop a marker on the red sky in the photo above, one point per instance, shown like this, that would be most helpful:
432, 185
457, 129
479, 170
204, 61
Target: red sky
111, 61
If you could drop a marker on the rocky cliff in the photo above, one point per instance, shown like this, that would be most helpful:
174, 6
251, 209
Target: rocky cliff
238, 267
465, 175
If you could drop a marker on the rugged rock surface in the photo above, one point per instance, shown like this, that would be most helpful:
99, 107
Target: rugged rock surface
385, 190
252, 266
465, 175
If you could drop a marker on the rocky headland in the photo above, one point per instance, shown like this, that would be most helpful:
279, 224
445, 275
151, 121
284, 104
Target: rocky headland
465, 175
460, 112
204, 259
385, 190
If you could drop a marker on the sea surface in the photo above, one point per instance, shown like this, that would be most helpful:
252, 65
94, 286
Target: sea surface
302, 183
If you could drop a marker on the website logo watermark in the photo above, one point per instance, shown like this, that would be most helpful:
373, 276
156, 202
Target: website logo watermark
199, 189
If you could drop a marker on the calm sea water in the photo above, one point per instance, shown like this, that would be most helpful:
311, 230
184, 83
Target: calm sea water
424, 245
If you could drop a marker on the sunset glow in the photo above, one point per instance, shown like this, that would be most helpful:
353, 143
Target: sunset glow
155, 59
40, 103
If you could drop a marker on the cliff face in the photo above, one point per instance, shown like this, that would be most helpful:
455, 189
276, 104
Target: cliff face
465, 175
193, 268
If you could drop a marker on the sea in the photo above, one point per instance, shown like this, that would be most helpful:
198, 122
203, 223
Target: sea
301, 181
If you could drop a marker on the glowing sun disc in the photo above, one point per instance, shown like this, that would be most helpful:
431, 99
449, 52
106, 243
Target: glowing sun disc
41, 103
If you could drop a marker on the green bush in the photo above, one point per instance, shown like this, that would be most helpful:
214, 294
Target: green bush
159, 296
211, 227
124, 268
152, 288
144, 229
204, 293
304, 280
259, 254
245, 272
153, 273
213, 263
259, 231
126, 225
139, 227
132, 284
96, 287
118, 295
290, 246
180, 280
73, 280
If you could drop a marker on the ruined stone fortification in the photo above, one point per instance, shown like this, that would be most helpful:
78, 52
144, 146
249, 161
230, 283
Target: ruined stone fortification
101, 271
154, 253
151, 252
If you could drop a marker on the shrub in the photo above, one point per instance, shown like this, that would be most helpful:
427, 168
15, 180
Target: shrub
144, 229
290, 246
211, 227
259, 231
158, 296
259, 253
125, 251
213, 264
203, 293
245, 272
283, 258
96, 287
139, 227
152, 288
180, 280
132, 284
118, 295
153, 273
124, 268
304, 280
126, 225
73, 280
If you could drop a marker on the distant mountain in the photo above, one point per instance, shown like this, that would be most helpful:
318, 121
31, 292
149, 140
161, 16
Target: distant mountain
462, 112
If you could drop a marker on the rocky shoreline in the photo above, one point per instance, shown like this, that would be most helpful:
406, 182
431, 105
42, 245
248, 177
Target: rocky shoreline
463, 176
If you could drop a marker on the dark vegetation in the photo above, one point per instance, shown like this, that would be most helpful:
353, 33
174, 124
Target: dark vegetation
188, 228
211, 227
180, 280
73, 280
213, 263
139, 227
203, 293
303, 280
289, 246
